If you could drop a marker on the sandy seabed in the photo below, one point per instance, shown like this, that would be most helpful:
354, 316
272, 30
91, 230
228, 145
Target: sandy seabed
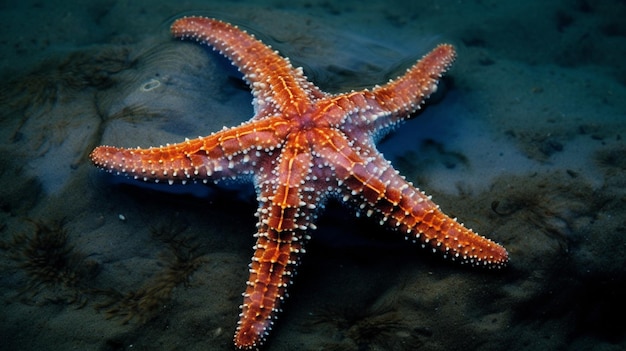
525, 145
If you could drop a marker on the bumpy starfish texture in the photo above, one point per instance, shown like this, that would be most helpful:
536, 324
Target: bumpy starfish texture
301, 147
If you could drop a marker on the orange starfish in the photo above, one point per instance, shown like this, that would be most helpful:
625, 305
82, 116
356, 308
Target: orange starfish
301, 147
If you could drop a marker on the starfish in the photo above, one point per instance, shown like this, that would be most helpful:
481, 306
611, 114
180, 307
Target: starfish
302, 147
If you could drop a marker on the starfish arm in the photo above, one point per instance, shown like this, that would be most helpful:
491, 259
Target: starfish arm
276, 256
403, 96
381, 192
276, 85
286, 213
225, 154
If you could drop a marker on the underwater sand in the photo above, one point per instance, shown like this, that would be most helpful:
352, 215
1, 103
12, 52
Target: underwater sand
525, 145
